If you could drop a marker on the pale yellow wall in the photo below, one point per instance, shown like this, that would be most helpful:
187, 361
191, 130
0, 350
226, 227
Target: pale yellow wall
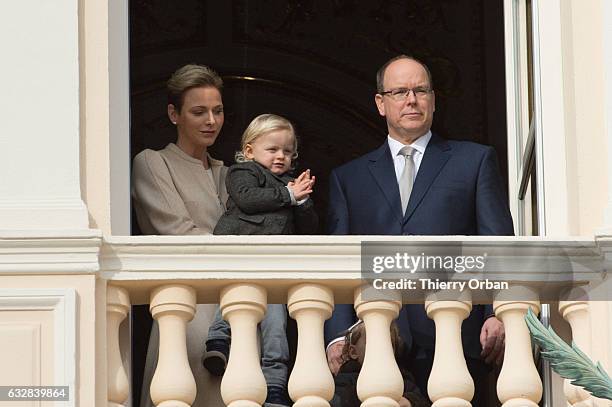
26, 346
588, 145
584, 87
95, 157
89, 393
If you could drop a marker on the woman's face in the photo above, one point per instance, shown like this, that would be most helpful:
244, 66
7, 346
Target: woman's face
200, 119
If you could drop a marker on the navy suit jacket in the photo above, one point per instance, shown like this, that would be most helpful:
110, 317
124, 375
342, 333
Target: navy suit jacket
457, 191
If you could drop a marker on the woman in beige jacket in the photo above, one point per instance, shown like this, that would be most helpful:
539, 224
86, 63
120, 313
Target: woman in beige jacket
180, 190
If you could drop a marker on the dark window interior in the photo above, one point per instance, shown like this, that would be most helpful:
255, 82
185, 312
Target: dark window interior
314, 62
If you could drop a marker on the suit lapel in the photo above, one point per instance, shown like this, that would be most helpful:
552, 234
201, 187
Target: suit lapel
382, 169
436, 155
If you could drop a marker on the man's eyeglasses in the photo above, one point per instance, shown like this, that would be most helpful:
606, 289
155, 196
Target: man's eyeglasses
401, 94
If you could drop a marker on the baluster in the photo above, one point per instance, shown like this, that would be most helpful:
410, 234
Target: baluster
173, 384
576, 313
117, 308
380, 382
519, 384
450, 383
311, 383
243, 384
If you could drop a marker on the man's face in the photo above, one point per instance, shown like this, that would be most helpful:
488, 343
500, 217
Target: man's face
408, 119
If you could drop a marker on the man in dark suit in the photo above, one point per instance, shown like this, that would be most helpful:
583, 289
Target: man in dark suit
432, 187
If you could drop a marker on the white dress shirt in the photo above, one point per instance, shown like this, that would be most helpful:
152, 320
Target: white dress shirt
399, 161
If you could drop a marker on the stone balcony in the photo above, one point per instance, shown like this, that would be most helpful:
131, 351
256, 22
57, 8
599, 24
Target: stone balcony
311, 274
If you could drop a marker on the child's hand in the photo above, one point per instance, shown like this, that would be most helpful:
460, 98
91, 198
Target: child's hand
302, 185
305, 175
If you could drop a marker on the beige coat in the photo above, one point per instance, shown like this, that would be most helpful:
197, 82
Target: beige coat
173, 194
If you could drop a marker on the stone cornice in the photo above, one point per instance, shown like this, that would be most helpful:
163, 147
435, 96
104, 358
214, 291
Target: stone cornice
151, 255
49, 252
210, 262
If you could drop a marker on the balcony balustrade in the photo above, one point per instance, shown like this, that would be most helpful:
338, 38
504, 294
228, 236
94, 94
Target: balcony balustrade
310, 275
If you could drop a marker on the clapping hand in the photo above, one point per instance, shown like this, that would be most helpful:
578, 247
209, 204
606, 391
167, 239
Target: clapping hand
302, 185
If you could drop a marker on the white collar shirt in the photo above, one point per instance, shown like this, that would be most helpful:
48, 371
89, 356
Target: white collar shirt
399, 161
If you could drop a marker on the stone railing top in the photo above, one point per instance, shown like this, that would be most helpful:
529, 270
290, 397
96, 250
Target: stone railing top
209, 262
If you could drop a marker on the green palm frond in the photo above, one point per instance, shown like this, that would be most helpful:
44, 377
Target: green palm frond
569, 361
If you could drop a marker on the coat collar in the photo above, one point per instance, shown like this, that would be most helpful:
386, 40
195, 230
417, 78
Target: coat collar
177, 150
284, 178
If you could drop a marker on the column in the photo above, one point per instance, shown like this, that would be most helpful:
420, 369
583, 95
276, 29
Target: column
117, 308
311, 383
380, 382
243, 384
173, 384
450, 383
606, 229
576, 313
40, 143
519, 384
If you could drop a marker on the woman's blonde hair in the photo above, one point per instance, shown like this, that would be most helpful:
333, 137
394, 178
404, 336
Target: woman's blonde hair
188, 77
264, 124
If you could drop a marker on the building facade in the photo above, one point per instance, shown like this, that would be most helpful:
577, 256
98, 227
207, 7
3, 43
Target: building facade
69, 269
